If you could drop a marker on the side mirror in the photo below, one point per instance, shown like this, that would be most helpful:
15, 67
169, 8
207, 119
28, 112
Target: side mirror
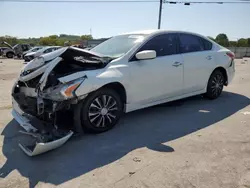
146, 54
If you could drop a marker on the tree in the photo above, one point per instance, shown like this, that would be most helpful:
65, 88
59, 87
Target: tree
62, 35
60, 42
232, 43
248, 42
86, 37
11, 40
47, 41
53, 36
211, 38
222, 39
242, 42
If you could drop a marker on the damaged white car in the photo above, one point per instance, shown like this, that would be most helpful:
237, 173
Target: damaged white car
73, 90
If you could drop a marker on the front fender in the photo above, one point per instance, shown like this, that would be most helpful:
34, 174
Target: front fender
95, 81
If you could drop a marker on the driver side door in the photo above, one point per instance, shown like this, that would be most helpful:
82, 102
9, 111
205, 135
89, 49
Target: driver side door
153, 80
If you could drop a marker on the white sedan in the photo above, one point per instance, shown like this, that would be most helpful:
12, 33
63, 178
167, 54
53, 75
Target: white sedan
39, 51
125, 73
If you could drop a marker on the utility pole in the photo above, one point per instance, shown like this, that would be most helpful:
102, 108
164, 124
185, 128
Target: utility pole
159, 19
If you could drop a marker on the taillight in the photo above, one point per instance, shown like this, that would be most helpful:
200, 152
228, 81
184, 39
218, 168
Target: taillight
231, 55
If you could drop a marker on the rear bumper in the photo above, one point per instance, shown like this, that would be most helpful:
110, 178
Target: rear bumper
230, 73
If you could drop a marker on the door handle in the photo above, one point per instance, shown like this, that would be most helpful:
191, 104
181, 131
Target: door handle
209, 57
177, 64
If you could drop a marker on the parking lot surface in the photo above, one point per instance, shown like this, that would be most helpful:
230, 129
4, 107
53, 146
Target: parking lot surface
192, 143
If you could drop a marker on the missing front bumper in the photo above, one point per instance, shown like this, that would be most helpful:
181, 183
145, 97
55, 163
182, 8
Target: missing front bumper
58, 137
40, 148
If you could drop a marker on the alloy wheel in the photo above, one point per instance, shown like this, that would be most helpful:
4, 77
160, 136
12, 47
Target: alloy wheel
217, 85
103, 111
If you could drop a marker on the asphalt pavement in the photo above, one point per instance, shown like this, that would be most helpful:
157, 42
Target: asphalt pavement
191, 143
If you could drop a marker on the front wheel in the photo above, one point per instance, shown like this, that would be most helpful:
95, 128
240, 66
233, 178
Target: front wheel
101, 110
215, 85
10, 55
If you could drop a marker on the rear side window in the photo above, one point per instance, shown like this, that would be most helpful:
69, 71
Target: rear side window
48, 50
163, 45
190, 43
207, 45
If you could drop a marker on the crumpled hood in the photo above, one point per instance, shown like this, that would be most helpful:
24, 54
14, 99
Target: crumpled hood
42, 60
7, 44
40, 64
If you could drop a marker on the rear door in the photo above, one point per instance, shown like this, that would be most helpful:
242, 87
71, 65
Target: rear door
159, 78
198, 62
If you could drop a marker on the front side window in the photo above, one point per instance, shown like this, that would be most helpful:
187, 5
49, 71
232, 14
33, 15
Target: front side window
190, 43
118, 45
165, 44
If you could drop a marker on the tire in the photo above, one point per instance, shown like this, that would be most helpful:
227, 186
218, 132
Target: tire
215, 85
19, 56
98, 117
10, 55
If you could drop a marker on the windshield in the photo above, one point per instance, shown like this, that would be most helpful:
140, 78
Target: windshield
118, 45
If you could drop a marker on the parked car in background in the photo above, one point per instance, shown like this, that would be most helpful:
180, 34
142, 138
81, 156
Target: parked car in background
16, 50
125, 73
34, 49
44, 50
2, 49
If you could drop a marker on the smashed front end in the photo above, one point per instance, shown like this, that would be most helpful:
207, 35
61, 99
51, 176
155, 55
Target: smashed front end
44, 98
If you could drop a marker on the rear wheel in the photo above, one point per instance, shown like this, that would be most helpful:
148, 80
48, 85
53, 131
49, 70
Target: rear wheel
101, 111
215, 85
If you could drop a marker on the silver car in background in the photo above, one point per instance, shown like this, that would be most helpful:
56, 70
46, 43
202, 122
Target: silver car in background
43, 50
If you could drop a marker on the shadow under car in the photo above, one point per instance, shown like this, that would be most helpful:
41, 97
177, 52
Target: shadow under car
143, 128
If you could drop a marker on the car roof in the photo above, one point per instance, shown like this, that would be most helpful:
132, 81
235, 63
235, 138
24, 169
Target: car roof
47, 47
145, 32
158, 31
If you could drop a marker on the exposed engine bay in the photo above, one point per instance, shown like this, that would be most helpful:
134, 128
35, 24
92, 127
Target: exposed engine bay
44, 96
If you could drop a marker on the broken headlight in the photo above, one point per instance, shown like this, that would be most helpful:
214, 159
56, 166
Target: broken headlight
62, 92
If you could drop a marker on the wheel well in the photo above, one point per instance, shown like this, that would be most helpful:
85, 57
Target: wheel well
10, 52
119, 88
224, 72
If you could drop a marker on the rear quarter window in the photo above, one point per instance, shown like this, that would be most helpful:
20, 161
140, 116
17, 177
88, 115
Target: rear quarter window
190, 43
207, 44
